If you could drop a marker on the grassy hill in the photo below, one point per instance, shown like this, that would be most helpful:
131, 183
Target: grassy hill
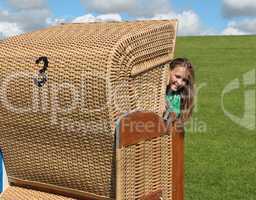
220, 154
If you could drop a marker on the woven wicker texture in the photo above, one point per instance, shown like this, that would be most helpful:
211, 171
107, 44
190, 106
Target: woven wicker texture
146, 168
18, 193
63, 133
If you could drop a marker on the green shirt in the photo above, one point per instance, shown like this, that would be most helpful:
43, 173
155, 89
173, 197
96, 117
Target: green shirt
174, 101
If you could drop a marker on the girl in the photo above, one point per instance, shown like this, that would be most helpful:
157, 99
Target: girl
180, 90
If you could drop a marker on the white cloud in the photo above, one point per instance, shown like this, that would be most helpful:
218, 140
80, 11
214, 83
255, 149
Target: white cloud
27, 20
98, 18
236, 8
3, 14
107, 6
27, 15
232, 31
189, 22
27, 4
9, 29
241, 27
131, 7
31, 19
233, 8
55, 21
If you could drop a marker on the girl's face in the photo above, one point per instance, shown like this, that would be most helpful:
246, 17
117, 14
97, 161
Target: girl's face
178, 78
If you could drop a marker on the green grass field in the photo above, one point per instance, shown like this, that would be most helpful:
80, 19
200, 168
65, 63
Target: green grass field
220, 155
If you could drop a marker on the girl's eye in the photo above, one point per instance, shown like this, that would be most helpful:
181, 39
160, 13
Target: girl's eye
178, 76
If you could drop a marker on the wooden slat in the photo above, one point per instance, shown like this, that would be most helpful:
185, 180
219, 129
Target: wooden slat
178, 162
53, 189
153, 196
140, 126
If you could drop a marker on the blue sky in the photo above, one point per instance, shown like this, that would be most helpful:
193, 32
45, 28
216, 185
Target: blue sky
215, 17
209, 11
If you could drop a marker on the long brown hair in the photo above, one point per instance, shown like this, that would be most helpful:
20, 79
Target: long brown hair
188, 91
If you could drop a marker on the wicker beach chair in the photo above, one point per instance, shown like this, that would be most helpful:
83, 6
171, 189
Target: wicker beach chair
66, 92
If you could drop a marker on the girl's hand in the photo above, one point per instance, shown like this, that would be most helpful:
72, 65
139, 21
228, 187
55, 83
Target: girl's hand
166, 105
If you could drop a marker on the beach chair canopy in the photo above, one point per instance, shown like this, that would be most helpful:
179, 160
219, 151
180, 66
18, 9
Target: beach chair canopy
63, 89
